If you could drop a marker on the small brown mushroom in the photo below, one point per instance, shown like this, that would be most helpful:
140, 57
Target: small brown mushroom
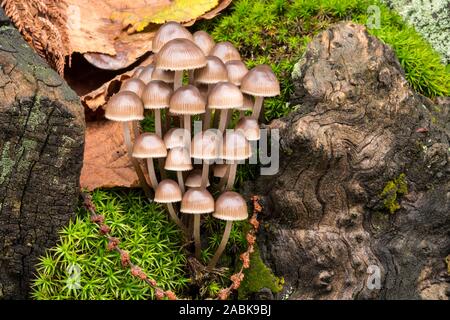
133, 85
179, 160
225, 96
236, 71
206, 146
169, 31
249, 127
225, 51
204, 41
194, 179
235, 148
156, 96
177, 137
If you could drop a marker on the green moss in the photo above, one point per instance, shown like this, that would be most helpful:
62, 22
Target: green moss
393, 191
258, 276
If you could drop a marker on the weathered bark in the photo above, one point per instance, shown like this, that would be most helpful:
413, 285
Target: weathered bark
359, 125
41, 149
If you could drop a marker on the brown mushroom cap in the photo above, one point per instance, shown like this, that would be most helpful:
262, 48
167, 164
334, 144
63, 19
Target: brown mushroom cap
236, 71
180, 54
194, 180
177, 137
137, 71
149, 145
220, 170
206, 145
225, 51
146, 74
178, 159
166, 76
197, 201
169, 31
156, 95
235, 146
168, 191
249, 127
187, 100
230, 206
204, 41
214, 71
225, 95
261, 82
248, 103
133, 85
124, 106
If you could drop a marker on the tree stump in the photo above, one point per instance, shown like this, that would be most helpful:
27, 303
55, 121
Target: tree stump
41, 150
363, 188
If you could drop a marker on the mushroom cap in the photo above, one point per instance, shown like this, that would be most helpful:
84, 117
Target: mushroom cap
166, 76
214, 71
230, 206
197, 201
204, 41
203, 88
206, 145
235, 146
220, 170
134, 85
225, 95
236, 71
146, 74
178, 159
177, 137
249, 127
137, 71
180, 54
149, 145
261, 82
156, 95
124, 106
169, 31
248, 103
187, 100
225, 51
194, 179
168, 191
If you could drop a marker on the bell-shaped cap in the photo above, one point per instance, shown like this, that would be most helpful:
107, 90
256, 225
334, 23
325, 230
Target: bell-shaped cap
206, 145
230, 206
214, 71
225, 51
180, 54
156, 95
178, 159
133, 85
249, 127
124, 106
169, 31
149, 145
168, 191
194, 179
146, 74
166, 76
177, 137
219, 170
236, 70
187, 100
197, 201
235, 146
261, 82
225, 95
137, 71
204, 41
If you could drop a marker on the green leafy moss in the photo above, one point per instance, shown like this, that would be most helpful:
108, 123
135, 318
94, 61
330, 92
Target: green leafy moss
258, 276
153, 242
393, 191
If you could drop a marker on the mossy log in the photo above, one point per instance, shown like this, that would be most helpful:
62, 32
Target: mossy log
41, 150
364, 179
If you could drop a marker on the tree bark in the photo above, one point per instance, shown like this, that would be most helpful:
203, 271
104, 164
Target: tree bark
41, 150
360, 135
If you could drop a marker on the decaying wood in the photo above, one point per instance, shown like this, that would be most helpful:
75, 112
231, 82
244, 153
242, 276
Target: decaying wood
355, 131
41, 150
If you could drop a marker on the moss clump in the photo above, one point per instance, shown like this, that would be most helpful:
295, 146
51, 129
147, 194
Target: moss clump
258, 276
393, 191
80, 266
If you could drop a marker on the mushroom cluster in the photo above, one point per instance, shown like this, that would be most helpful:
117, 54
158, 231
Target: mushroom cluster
193, 78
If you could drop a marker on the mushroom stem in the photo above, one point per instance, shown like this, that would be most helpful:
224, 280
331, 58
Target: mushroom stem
257, 107
198, 247
158, 127
151, 173
241, 114
174, 217
191, 76
207, 119
180, 180
216, 118
187, 123
205, 173
223, 180
222, 245
137, 167
223, 120
178, 79
162, 172
231, 176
